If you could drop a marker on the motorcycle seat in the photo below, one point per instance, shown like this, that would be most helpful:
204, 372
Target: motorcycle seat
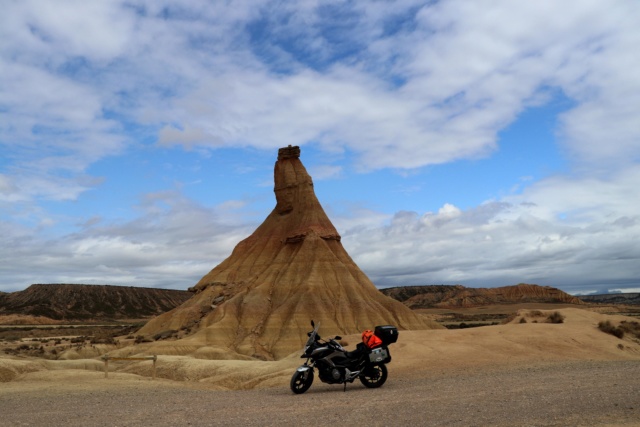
357, 353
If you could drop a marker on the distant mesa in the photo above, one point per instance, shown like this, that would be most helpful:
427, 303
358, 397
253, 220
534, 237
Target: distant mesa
631, 298
457, 296
293, 268
73, 302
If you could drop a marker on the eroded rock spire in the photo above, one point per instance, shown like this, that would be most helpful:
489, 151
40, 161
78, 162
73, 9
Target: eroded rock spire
292, 269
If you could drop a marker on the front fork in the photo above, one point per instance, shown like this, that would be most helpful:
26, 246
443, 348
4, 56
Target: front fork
305, 369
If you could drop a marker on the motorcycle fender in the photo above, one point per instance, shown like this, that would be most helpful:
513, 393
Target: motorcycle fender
303, 368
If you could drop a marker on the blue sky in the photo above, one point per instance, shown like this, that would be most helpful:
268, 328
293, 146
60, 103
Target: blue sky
450, 142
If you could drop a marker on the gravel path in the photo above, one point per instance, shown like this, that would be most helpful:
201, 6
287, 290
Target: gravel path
566, 394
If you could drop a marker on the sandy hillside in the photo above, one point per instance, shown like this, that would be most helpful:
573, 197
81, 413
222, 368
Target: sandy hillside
417, 353
25, 319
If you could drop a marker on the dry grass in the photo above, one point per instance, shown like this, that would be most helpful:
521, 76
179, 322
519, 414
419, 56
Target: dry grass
555, 317
626, 327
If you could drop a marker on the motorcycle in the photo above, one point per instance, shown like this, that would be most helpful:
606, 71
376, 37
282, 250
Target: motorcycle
336, 365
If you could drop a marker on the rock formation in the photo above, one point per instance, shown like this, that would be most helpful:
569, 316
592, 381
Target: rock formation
631, 298
293, 268
72, 302
442, 296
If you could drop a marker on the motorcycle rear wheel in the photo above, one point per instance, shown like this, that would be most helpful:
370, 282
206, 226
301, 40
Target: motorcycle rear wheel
299, 384
374, 376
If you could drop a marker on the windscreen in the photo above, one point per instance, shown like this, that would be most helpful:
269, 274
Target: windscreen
312, 336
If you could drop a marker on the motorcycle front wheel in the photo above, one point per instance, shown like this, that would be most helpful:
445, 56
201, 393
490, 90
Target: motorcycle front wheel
299, 384
374, 376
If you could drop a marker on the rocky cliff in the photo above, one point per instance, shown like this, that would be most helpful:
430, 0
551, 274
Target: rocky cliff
441, 296
90, 302
631, 298
293, 268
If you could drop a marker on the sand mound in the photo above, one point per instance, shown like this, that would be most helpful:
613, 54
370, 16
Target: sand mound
221, 374
10, 369
577, 338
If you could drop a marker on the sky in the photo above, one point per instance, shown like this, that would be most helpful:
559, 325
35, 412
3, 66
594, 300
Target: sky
483, 143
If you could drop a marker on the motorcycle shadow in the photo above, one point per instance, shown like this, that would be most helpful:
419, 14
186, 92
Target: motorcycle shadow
338, 389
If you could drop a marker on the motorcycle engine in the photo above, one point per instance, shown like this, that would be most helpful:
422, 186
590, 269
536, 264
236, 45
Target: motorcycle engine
336, 374
331, 375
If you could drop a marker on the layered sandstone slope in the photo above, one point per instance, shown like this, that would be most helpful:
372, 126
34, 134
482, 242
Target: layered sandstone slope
441, 296
293, 268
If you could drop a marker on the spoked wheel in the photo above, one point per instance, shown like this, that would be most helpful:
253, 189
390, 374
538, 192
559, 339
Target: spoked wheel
374, 376
301, 381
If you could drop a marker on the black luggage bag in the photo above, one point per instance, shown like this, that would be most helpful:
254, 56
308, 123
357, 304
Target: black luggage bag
387, 333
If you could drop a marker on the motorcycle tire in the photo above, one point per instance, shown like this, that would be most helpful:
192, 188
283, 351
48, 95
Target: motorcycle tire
299, 384
374, 376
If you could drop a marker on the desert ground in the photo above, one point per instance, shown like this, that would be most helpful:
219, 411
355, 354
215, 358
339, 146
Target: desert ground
524, 372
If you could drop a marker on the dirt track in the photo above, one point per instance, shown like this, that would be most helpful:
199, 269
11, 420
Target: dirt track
560, 394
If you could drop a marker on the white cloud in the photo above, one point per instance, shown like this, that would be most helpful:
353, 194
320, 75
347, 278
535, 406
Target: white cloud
186, 137
571, 234
326, 172
6, 185
94, 30
171, 244
397, 85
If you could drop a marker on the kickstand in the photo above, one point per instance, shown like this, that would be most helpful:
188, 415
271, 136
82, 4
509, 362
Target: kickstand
345, 386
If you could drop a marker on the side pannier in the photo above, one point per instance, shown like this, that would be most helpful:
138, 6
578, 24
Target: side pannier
379, 354
387, 333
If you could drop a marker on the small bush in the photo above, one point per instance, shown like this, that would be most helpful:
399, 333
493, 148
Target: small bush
523, 320
632, 328
607, 326
555, 317
165, 334
102, 340
141, 338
